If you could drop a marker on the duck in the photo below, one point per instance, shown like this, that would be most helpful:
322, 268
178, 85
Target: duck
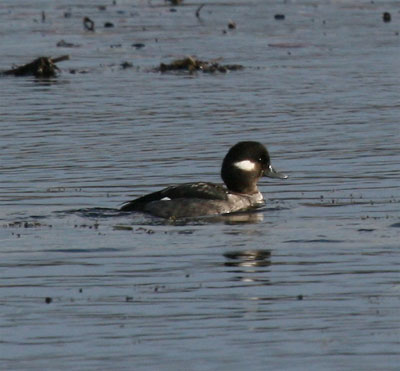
243, 166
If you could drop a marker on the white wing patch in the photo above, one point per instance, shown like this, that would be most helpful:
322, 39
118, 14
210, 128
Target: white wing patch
165, 199
245, 165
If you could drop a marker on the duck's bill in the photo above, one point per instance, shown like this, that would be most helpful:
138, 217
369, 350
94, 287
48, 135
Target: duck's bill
272, 173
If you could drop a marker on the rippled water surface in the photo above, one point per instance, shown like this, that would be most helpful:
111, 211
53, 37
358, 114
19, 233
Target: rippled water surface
310, 282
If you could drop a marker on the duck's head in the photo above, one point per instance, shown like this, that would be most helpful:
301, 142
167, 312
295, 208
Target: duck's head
243, 166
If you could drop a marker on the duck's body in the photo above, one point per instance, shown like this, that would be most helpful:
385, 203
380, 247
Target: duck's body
193, 199
243, 166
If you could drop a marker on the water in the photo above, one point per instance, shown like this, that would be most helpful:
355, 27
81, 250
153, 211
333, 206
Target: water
311, 282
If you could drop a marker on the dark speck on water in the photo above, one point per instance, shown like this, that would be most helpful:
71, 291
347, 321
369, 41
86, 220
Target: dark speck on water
88, 24
308, 281
387, 17
231, 25
138, 45
279, 17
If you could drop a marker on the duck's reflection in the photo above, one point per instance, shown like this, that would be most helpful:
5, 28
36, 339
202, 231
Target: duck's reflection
249, 266
249, 217
243, 218
248, 258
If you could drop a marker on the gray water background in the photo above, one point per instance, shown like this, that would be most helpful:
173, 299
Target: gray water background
311, 282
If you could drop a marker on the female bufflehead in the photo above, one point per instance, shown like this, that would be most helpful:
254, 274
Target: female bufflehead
243, 166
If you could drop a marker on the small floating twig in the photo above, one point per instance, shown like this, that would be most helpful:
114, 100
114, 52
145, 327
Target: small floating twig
62, 58
198, 10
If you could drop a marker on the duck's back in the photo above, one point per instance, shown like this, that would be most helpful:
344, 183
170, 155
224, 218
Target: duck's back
182, 192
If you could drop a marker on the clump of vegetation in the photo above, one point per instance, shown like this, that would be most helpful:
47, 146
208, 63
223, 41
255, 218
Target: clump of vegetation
192, 64
40, 67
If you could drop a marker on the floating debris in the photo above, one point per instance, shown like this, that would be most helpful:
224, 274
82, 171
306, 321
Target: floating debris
48, 300
231, 25
387, 17
88, 24
279, 17
108, 25
198, 10
126, 65
120, 227
287, 45
191, 64
74, 71
40, 67
175, 2
20, 224
65, 44
138, 45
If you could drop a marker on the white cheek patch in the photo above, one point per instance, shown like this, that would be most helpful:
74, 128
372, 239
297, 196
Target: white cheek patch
245, 165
